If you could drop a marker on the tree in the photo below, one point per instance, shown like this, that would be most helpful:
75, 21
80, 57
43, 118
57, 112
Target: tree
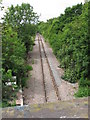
20, 15
70, 44
23, 20
19, 28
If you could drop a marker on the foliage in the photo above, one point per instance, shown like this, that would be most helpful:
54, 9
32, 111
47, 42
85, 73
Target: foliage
83, 91
19, 28
68, 36
22, 19
25, 34
19, 15
13, 53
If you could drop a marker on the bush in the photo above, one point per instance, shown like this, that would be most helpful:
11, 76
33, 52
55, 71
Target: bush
19, 28
83, 92
68, 37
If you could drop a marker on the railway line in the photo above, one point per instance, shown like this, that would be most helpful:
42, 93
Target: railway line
50, 88
42, 86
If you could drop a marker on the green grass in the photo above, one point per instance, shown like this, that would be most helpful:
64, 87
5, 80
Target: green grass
83, 92
29, 68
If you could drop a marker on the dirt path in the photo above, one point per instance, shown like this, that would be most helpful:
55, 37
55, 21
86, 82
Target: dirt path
40, 86
34, 93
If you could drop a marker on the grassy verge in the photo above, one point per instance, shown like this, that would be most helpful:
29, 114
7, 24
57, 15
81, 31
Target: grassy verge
83, 92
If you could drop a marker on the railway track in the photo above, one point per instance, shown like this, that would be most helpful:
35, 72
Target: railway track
43, 86
50, 87
42, 70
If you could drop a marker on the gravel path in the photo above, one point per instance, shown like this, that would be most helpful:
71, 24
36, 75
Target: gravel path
34, 93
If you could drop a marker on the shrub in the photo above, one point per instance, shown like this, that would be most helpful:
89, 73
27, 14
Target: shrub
68, 37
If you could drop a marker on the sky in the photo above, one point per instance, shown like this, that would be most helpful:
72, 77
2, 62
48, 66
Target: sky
45, 8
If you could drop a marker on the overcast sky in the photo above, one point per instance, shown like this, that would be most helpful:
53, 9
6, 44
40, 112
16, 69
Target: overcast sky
47, 8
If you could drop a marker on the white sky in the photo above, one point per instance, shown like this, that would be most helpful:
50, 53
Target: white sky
47, 8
